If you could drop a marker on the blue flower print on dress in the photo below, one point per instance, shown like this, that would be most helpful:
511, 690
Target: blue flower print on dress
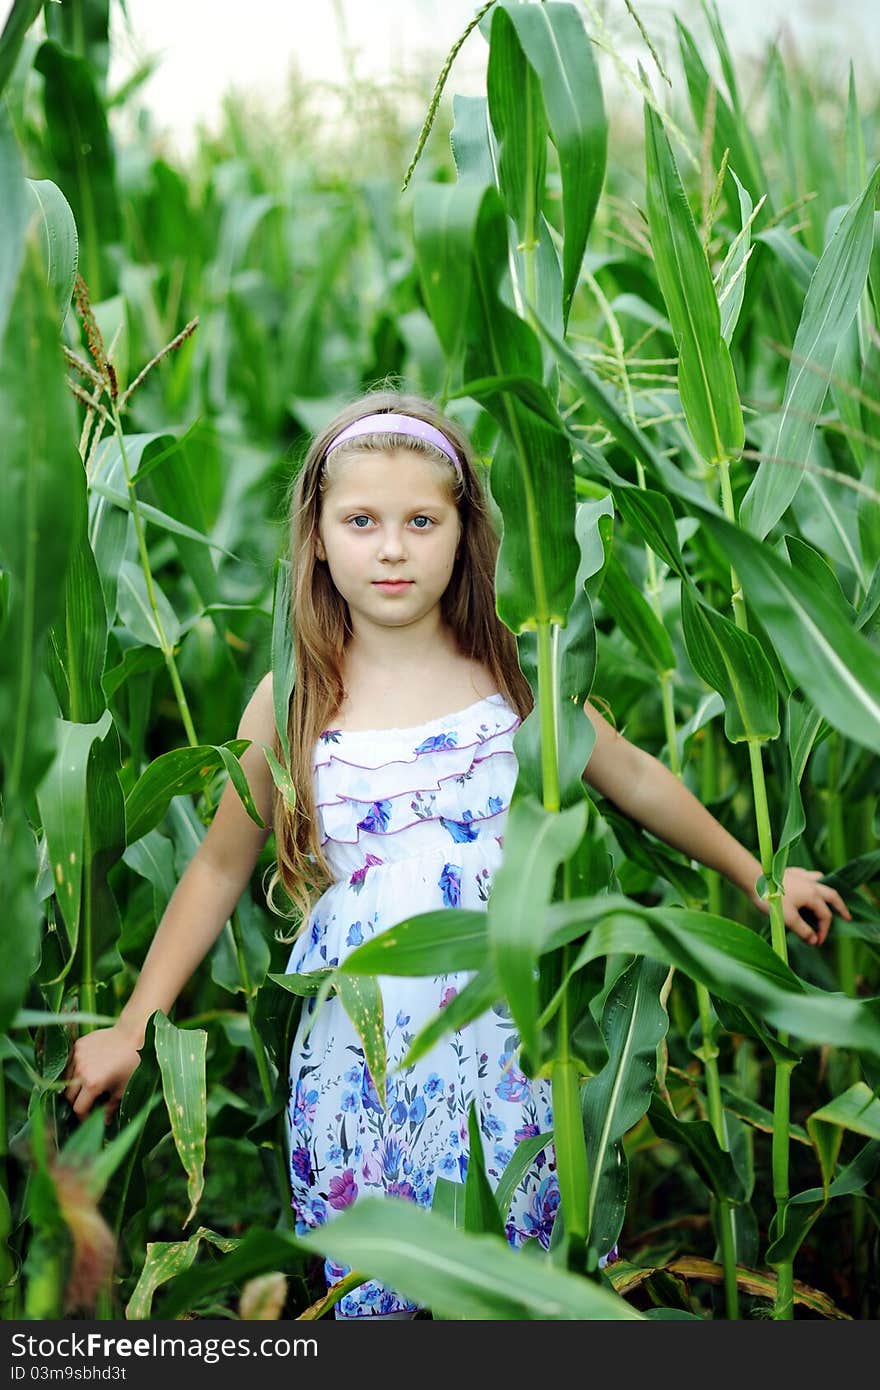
355, 935
369, 1095
437, 742
462, 831
542, 1213
304, 1103
495, 805
450, 885
357, 879
376, 819
513, 1084
330, 735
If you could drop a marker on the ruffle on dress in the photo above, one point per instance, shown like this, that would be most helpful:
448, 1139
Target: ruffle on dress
439, 780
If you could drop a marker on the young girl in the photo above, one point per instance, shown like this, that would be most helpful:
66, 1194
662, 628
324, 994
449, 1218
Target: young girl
401, 724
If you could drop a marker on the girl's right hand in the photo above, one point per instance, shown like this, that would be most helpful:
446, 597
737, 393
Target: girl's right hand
99, 1068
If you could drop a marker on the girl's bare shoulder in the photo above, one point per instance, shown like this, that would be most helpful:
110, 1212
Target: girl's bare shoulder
258, 718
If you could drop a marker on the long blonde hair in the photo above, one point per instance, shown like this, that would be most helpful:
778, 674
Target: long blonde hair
320, 621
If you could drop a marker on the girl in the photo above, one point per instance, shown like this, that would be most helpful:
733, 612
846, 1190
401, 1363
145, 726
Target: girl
407, 697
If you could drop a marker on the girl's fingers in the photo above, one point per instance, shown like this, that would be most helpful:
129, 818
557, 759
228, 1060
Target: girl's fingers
804, 931
83, 1103
837, 902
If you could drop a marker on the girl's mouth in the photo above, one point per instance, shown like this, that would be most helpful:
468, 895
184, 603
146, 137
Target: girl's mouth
392, 585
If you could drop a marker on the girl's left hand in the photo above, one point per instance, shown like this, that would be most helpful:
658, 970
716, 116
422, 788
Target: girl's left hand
800, 889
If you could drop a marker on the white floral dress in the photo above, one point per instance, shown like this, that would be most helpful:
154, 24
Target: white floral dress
412, 820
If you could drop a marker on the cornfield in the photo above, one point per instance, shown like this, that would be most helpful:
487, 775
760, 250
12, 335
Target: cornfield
668, 357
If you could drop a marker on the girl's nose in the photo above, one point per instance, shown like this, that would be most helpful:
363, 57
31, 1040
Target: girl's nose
391, 546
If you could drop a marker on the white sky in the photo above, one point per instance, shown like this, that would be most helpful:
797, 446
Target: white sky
208, 46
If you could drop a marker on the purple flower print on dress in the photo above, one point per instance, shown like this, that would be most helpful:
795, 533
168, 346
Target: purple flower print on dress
301, 1164
330, 735
448, 994
525, 1132
401, 1189
355, 935
357, 879
304, 1103
462, 831
450, 884
343, 1190
513, 1085
369, 1094
542, 1213
377, 818
437, 742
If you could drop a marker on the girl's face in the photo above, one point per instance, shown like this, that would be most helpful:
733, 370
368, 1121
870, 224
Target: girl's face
387, 517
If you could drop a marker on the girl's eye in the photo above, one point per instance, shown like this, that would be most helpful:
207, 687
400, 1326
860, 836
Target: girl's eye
354, 520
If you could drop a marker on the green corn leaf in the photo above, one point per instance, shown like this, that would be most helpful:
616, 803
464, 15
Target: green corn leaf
76, 120
14, 212
180, 1053
569, 1143
829, 308
520, 1162
164, 1260
172, 774
157, 629
63, 808
478, 995
20, 18
431, 943
732, 277
455, 1273
557, 50
283, 658
470, 140
42, 481
481, 1211
733, 663
731, 961
714, 1164
706, 380
634, 1023
801, 1211
362, 1000
448, 1201
536, 842
58, 240
636, 617
834, 664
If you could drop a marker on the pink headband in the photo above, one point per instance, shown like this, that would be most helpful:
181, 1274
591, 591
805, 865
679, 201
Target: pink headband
389, 423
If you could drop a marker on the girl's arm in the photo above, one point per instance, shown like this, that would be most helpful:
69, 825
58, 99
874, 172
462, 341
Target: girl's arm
650, 794
201, 904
